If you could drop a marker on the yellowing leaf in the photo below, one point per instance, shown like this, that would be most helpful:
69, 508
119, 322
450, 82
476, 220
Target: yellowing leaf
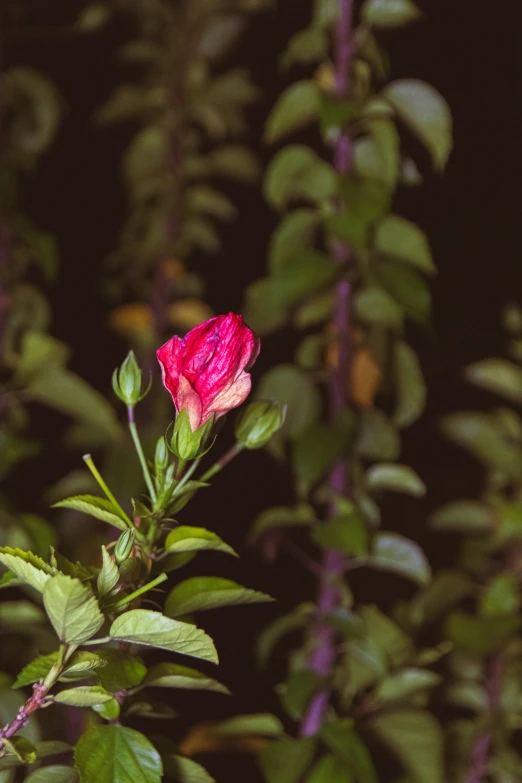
324, 77
131, 318
204, 738
188, 313
365, 378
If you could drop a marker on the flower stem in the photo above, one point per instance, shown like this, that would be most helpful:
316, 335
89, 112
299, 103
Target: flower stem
128, 598
186, 477
141, 456
323, 654
97, 475
236, 449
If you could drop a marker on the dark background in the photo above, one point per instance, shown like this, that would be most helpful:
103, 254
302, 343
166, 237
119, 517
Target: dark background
471, 54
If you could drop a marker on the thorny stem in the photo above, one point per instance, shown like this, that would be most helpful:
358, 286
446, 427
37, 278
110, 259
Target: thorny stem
322, 656
479, 753
141, 456
97, 475
35, 701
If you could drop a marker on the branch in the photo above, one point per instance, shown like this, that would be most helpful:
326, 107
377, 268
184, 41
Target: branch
479, 753
322, 657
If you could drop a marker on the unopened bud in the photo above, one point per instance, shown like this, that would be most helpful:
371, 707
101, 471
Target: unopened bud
127, 381
161, 457
124, 545
259, 422
188, 445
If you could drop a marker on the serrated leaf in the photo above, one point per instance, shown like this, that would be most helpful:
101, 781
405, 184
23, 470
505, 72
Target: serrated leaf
191, 539
80, 666
401, 239
209, 592
72, 609
29, 568
389, 13
410, 386
427, 115
287, 760
172, 675
116, 754
393, 552
109, 574
83, 696
297, 106
152, 629
54, 774
416, 739
396, 478
341, 739
498, 376
99, 508
464, 516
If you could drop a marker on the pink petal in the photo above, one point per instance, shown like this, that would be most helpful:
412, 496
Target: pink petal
190, 400
230, 397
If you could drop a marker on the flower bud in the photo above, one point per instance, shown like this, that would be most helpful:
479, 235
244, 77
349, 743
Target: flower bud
188, 445
124, 545
259, 422
161, 458
127, 381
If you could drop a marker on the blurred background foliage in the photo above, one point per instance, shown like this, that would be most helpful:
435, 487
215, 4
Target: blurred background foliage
134, 142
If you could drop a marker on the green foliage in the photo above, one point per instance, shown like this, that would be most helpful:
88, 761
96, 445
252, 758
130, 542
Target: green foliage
209, 592
112, 754
72, 609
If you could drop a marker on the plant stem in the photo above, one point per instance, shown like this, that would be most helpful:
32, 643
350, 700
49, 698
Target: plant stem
479, 753
97, 475
128, 598
236, 449
323, 654
186, 477
141, 456
34, 702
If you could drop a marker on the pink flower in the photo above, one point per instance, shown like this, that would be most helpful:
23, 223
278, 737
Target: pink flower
205, 370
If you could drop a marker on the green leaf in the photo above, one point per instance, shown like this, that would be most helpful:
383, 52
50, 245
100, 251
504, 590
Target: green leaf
109, 574
399, 238
109, 710
446, 590
377, 154
377, 438
21, 747
297, 173
341, 739
17, 614
28, 567
302, 275
172, 675
83, 696
480, 636
191, 539
373, 305
367, 198
416, 739
297, 691
70, 394
209, 592
272, 633
116, 754
406, 682
72, 609
43, 750
307, 46
265, 310
54, 774
501, 596
282, 516
209, 201
345, 533
234, 162
396, 478
150, 708
389, 13
287, 760
481, 435
296, 107
427, 115
80, 666
295, 233
464, 516
393, 552
99, 508
263, 724
152, 629
410, 386
407, 287
329, 769
498, 376
294, 388
315, 451
186, 770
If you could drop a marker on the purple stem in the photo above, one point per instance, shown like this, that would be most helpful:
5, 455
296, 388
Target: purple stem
479, 753
322, 656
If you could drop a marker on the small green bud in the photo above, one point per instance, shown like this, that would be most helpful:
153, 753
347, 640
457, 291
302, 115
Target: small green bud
259, 422
127, 381
124, 545
161, 458
188, 445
